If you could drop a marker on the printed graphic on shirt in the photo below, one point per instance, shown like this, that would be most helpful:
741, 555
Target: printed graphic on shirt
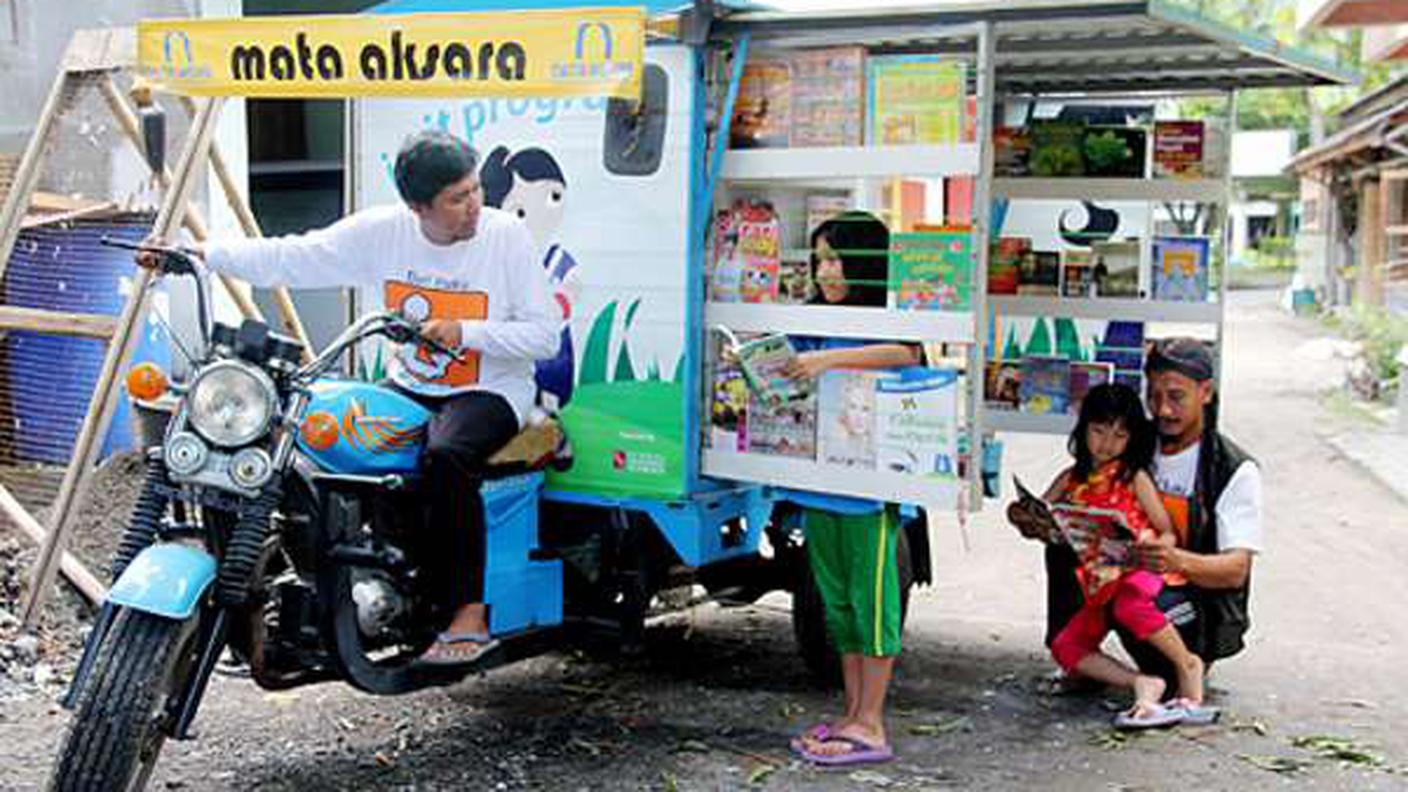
1179, 508
422, 304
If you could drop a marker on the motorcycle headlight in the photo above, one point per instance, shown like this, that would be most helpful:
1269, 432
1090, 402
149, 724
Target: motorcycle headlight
231, 404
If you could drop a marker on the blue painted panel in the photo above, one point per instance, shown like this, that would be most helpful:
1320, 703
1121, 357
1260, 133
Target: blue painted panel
379, 430
692, 526
165, 580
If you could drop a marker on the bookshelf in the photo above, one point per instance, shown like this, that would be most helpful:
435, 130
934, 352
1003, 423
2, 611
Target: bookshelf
929, 491
1148, 190
1028, 423
842, 321
1025, 188
1108, 308
849, 162
778, 175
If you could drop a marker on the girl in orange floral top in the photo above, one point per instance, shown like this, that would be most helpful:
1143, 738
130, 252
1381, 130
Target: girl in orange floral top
1113, 445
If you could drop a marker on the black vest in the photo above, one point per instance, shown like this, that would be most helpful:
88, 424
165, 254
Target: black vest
1224, 613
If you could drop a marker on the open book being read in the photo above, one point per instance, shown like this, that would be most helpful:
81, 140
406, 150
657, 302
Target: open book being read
764, 362
1098, 536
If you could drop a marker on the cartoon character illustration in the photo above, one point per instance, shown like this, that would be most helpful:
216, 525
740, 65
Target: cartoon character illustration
530, 184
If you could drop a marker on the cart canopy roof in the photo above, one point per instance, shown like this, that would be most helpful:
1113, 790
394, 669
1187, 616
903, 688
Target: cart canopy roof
1063, 46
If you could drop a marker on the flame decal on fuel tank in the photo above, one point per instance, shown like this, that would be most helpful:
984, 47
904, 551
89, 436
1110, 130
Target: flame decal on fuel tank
377, 435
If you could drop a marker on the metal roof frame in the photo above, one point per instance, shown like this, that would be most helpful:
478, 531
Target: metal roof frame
1047, 47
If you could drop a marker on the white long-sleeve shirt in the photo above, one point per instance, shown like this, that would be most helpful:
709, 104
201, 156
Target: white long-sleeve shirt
492, 283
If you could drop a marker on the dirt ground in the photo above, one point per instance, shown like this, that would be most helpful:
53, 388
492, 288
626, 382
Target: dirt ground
1316, 700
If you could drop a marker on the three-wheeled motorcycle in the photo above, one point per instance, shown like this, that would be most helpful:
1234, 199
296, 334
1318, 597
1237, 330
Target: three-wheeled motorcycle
280, 518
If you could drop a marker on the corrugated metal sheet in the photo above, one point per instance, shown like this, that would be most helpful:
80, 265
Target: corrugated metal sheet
1070, 46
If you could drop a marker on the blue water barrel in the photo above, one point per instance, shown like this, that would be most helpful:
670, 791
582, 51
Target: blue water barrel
49, 378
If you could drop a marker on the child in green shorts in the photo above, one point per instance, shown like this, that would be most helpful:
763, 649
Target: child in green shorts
851, 542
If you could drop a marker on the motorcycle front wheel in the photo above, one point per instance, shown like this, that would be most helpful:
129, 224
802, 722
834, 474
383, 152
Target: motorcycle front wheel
124, 710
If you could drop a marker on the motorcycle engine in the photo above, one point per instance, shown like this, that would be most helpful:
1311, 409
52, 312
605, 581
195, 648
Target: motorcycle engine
379, 604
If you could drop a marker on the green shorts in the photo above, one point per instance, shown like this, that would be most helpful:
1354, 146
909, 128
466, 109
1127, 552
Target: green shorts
854, 565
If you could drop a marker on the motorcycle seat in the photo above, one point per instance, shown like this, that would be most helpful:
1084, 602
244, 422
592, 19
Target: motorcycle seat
537, 445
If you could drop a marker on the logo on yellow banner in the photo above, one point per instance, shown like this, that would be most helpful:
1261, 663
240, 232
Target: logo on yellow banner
580, 52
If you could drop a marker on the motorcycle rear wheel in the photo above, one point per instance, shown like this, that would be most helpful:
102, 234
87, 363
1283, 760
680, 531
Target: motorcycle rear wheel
123, 712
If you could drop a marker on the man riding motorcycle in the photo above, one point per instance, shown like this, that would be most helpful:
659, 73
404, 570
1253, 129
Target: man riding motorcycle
468, 274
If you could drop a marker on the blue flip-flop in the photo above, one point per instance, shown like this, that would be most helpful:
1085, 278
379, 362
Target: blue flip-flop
1159, 717
444, 643
1195, 714
858, 752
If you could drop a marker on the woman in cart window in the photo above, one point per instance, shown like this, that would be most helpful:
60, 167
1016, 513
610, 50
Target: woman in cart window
851, 542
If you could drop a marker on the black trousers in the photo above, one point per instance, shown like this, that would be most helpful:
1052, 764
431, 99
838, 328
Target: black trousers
466, 430
1064, 598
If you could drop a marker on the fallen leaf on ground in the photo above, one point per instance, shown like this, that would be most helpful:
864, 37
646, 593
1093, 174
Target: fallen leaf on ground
383, 760
671, 783
760, 772
871, 777
1341, 749
693, 746
1274, 764
283, 698
1251, 726
942, 727
1111, 740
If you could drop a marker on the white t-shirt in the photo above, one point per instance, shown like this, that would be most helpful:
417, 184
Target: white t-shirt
493, 283
1239, 507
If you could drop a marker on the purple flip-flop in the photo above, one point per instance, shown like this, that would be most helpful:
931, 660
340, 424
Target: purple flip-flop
860, 752
820, 731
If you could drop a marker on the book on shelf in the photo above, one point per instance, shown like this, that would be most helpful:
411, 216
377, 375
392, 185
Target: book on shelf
1046, 385
1115, 151
1181, 268
747, 253
846, 418
1084, 376
1002, 385
1005, 264
916, 417
795, 286
1012, 150
788, 429
728, 408
914, 99
1178, 149
1077, 272
1057, 149
1115, 268
828, 89
932, 270
762, 113
822, 207
1040, 273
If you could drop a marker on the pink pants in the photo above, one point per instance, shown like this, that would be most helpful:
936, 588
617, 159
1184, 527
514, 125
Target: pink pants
1132, 607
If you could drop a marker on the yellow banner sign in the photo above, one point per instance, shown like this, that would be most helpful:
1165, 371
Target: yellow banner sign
577, 52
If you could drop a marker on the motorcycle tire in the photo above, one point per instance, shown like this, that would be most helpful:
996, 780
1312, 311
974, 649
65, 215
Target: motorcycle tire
121, 720
809, 616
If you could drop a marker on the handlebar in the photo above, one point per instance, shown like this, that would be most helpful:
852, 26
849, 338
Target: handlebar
176, 261
392, 324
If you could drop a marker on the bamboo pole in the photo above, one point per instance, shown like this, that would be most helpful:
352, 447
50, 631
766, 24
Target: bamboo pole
105, 395
288, 312
57, 322
193, 219
27, 175
73, 569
